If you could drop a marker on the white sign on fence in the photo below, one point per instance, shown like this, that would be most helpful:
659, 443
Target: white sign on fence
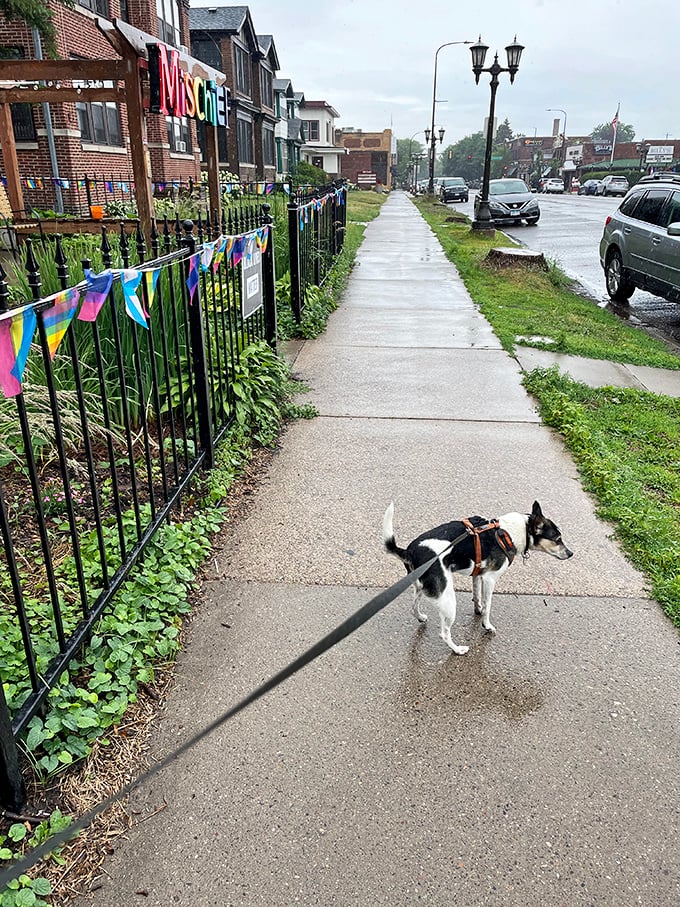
251, 283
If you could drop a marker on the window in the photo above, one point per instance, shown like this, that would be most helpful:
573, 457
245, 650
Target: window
242, 67
124, 11
628, 206
22, 114
266, 88
268, 146
208, 50
672, 215
179, 135
98, 121
101, 7
244, 140
311, 130
649, 209
168, 21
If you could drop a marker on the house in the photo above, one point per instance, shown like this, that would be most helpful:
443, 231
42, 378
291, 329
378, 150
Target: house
288, 133
62, 145
319, 149
371, 154
225, 38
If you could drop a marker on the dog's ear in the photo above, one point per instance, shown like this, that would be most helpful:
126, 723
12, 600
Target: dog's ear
536, 516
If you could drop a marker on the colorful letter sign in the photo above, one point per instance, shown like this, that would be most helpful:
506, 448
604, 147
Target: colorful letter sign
174, 92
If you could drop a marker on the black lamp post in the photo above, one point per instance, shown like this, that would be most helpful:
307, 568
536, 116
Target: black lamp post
483, 219
431, 142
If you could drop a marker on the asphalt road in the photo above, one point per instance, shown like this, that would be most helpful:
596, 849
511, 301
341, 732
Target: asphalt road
569, 232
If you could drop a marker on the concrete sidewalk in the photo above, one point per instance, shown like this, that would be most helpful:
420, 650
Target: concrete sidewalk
540, 769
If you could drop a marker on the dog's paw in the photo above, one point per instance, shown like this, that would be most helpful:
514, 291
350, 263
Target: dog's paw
459, 650
489, 628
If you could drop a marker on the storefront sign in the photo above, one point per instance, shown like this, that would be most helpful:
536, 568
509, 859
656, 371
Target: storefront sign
602, 148
660, 154
533, 141
175, 92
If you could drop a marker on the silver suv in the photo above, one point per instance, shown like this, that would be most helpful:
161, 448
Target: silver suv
612, 185
640, 245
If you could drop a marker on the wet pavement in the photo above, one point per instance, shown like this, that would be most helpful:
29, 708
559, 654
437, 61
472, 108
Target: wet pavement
539, 769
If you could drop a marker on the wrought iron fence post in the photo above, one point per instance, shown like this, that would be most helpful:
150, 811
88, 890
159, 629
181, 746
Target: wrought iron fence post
198, 353
317, 241
12, 789
269, 280
294, 254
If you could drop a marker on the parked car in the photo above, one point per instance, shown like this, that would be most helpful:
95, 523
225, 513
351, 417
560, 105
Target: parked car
510, 200
589, 187
640, 245
613, 185
553, 185
453, 189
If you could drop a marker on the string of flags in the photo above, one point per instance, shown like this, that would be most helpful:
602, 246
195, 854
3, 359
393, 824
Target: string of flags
17, 327
318, 204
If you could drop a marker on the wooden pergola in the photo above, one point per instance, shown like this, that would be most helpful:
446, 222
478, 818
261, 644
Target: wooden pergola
128, 75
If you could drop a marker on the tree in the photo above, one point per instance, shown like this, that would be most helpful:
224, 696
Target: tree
465, 158
306, 174
405, 148
504, 133
605, 133
36, 14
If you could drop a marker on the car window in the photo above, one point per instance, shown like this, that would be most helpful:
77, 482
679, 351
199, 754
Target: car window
629, 204
507, 187
650, 207
672, 212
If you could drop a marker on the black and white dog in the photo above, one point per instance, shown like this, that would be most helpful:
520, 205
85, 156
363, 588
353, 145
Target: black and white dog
483, 549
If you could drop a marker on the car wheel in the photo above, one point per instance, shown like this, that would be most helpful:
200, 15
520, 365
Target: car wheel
618, 288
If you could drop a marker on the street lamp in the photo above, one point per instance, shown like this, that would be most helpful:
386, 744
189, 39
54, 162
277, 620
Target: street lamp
563, 150
430, 185
483, 219
642, 150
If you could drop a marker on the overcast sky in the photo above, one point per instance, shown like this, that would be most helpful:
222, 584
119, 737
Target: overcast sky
373, 60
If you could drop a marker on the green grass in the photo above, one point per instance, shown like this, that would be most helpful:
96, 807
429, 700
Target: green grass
524, 303
626, 443
363, 206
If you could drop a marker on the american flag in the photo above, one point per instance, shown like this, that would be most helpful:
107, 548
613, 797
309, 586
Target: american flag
615, 121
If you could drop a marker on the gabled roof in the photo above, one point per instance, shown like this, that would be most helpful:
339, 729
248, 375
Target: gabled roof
321, 105
284, 85
268, 49
218, 18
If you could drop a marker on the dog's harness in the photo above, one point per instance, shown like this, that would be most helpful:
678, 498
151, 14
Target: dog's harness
502, 537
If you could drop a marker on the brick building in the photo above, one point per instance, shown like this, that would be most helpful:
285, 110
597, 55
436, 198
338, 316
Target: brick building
225, 38
91, 138
373, 153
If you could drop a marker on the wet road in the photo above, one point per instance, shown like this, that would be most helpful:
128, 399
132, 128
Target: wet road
569, 232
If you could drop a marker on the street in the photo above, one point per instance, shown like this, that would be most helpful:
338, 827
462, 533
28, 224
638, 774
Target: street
569, 232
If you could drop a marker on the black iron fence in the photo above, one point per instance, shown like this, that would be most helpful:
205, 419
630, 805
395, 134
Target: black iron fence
317, 221
115, 391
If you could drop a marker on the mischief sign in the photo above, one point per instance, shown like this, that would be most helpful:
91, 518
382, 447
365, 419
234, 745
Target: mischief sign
174, 92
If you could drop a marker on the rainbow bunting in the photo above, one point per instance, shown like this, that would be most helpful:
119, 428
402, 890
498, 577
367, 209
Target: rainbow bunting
96, 291
130, 280
192, 279
262, 238
269, 188
57, 319
151, 280
16, 335
221, 245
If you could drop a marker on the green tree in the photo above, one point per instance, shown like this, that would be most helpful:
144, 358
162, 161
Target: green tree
36, 14
605, 133
405, 148
504, 133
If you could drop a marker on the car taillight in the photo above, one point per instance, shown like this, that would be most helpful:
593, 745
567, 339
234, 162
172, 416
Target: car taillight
609, 217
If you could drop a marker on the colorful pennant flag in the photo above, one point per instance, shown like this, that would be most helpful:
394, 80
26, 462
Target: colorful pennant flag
207, 254
262, 238
238, 249
130, 280
192, 279
219, 253
96, 291
151, 280
58, 318
16, 335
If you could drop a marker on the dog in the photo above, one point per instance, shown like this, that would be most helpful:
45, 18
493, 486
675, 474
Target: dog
483, 549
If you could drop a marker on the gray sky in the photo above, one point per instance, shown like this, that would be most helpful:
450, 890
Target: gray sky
373, 60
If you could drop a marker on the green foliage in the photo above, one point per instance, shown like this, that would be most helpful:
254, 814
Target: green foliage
627, 447
20, 838
306, 174
605, 132
36, 14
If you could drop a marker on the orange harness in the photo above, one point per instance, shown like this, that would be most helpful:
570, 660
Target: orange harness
502, 537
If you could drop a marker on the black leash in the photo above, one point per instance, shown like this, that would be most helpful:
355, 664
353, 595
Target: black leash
365, 613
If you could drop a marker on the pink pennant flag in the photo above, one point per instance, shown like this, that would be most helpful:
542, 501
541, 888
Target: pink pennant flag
96, 291
16, 335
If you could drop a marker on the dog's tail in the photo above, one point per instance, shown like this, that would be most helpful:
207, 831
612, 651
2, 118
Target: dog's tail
388, 535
